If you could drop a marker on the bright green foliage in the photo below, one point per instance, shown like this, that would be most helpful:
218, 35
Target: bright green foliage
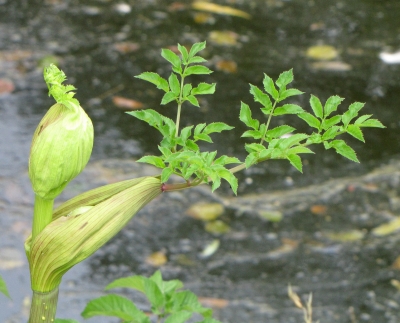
3, 287
280, 142
167, 300
180, 153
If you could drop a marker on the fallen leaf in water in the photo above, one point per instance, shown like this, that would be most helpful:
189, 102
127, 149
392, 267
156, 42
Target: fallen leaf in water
223, 10
217, 227
227, 66
126, 47
396, 264
11, 258
226, 38
288, 246
213, 302
318, 209
387, 228
203, 18
6, 86
334, 66
322, 52
345, 236
272, 216
390, 58
156, 259
184, 260
210, 249
125, 103
176, 6
205, 211
395, 283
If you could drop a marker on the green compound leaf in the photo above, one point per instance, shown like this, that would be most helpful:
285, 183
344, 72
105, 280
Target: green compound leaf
152, 117
343, 149
216, 127
296, 162
288, 109
169, 97
269, 87
332, 104
356, 132
316, 106
174, 84
310, 119
196, 59
260, 96
230, 178
279, 131
3, 287
372, 123
197, 69
171, 57
117, 306
186, 90
256, 134
197, 47
293, 140
192, 99
184, 53
331, 133
285, 78
361, 119
199, 128
327, 123
251, 159
354, 108
204, 88
299, 150
134, 282
154, 78
154, 295
288, 93
152, 160
203, 137
245, 117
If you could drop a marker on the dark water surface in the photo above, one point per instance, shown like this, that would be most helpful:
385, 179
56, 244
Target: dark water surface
83, 34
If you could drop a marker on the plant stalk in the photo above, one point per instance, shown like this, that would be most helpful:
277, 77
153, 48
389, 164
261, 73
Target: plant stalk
42, 215
44, 307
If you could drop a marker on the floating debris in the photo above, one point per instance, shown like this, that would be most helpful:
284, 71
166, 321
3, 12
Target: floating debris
157, 259
272, 216
125, 103
345, 236
387, 228
205, 211
210, 249
217, 227
322, 52
334, 66
390, 58
226, 38
223, 10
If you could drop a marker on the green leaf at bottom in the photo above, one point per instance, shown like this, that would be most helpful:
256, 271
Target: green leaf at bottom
117, 306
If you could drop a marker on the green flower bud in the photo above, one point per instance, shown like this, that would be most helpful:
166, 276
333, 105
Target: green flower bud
63, 141
74, 235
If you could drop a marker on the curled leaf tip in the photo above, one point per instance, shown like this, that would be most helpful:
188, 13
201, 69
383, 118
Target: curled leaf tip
54, 77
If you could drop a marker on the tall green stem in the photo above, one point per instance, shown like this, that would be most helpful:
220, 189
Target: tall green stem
42, 215
44, 307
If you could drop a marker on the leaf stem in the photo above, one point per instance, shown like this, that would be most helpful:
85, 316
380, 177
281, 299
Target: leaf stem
268, 122
43, 307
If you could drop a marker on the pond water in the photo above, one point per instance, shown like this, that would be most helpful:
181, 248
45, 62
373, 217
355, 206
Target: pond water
102, 44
